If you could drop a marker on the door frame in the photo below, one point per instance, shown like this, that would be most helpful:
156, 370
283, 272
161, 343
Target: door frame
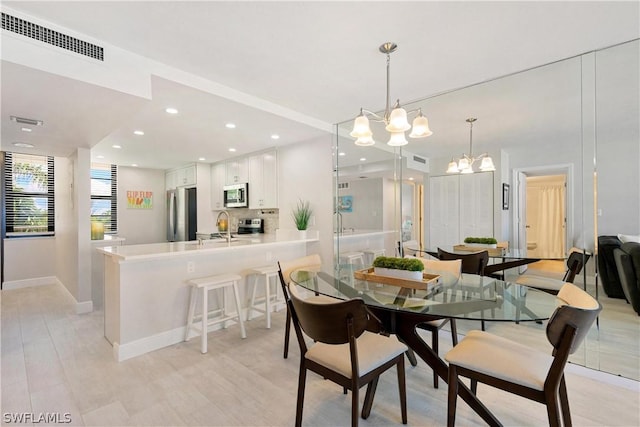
518, 204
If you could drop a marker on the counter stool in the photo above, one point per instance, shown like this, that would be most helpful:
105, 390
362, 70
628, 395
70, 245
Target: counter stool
268, 272
353, 258
371, 254
356, 259
211, 283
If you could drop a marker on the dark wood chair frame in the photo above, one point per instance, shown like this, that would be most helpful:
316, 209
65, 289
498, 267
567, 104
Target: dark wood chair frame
566, 330
472, 263
340, 323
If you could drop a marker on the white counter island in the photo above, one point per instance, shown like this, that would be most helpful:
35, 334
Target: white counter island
146, 294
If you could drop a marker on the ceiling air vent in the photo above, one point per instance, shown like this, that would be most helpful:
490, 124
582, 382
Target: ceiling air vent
343, 185
25, 121
46, 35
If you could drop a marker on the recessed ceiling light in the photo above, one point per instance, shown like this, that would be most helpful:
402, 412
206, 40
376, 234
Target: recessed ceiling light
230, 125
342, 153
26, 129
116, 146
135, 165
232, 149
138, 132
171, 110
410, 178
202, 159
23, 145
274, 136
363, 159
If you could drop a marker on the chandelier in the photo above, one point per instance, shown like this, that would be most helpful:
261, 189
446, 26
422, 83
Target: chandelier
465, 163
395, 120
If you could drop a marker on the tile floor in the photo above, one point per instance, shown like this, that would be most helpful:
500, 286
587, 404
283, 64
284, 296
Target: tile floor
55, 361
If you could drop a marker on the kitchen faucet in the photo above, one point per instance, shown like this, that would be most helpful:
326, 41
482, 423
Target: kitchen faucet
220, 222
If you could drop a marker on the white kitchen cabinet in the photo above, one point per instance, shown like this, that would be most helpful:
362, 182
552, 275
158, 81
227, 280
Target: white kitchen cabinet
237, 171
218, 181
170, 179
181, 177
186, 177
263, 181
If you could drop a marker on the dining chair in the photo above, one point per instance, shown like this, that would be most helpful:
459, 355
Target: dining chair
472, 263
311, 262
450, 272
522, 370
575, 263
344, 350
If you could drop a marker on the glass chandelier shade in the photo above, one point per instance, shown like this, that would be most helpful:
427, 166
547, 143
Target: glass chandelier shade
465, 163
395, 120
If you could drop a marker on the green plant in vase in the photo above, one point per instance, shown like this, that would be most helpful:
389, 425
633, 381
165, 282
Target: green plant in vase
302, 214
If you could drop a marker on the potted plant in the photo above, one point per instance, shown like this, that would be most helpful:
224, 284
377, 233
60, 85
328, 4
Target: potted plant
302, 214
484, 242
405, 268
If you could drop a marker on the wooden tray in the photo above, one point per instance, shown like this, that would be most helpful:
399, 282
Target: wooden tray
492, 251
428, 280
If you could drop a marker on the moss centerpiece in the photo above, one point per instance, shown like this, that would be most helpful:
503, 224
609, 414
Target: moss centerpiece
483, 242
404, 268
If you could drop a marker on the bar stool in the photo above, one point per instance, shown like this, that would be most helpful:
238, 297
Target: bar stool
211, 283
371, 254
268, 272
353, 258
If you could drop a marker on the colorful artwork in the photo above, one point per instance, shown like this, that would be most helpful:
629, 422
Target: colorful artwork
345, 203
139, 199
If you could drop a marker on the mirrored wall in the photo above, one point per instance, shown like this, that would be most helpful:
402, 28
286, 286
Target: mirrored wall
572, 125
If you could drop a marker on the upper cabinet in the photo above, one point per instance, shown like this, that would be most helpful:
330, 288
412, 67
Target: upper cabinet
237, 171
218, 181
263, 181
259, 170
182, 177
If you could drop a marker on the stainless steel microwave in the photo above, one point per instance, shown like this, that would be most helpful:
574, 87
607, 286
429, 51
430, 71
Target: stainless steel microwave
236, 195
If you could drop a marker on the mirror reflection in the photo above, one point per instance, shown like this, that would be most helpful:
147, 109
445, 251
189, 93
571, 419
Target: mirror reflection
563, 138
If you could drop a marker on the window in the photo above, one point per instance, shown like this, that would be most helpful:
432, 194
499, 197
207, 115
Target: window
104, 196
29, 190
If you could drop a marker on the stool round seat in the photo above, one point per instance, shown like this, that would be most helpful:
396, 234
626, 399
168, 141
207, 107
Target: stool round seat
202, 286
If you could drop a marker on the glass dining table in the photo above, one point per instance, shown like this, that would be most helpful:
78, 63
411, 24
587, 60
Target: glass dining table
401, 305
500, 261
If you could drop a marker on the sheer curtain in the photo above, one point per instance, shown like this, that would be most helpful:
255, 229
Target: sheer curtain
550, 220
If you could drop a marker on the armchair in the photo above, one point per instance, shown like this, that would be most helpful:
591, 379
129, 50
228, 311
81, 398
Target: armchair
627, 259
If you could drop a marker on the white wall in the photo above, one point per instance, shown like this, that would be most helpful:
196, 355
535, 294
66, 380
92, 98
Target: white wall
305, 170
139, 226
20, 253
367, 204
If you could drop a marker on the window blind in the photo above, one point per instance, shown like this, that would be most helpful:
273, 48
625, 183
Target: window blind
29, 194
104, 195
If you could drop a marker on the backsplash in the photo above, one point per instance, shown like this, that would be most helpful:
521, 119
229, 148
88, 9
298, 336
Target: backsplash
271, 218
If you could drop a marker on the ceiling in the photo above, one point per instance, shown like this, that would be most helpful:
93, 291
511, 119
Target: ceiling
296, 69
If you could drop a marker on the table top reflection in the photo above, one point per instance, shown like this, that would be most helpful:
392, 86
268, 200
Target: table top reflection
467, 297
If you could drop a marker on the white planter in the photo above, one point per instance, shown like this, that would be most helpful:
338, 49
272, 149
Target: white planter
302, 234
482, 245
400, 274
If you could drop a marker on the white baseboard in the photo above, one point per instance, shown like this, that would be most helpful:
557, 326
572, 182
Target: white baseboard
155, 342
84, 307
145, 345
28, 283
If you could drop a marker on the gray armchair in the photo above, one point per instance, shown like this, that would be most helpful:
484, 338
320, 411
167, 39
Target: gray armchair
627, 259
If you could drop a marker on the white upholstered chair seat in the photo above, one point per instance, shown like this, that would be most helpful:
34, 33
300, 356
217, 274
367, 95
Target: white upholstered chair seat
373, 351
495, 356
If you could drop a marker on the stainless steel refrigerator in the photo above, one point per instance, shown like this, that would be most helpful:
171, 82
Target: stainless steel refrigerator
182, 222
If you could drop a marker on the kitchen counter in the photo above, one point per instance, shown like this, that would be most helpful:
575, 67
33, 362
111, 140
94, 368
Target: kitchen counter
174, 249
358, 233
146, 294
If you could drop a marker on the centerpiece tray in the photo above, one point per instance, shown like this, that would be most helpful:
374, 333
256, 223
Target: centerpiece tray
428, 280
478, 248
